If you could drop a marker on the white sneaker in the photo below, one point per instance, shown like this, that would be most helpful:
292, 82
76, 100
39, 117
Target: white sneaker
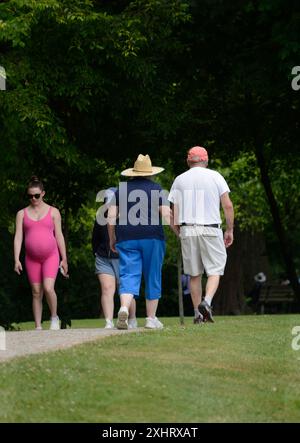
39, 328
122, 322
153, 323
109, 324
54, 326
132, 323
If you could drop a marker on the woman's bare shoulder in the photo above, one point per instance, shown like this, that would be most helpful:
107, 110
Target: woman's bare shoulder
54, 211
20, 213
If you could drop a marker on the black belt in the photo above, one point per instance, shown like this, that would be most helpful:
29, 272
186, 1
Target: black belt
196, 224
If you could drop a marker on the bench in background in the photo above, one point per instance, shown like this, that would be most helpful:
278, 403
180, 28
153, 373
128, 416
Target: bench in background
275, 294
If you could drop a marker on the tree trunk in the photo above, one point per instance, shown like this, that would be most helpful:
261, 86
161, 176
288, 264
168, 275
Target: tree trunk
285, 250
255, 134
245, 258
255, 258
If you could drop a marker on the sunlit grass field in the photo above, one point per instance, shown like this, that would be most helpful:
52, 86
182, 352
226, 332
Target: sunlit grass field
239, 369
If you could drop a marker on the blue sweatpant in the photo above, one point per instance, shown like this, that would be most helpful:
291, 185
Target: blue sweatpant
141, 257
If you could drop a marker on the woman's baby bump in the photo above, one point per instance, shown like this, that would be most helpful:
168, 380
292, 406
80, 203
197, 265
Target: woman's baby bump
40, 242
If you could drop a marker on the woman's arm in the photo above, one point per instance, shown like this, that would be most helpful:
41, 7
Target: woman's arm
111, 222
60, 239
18, 241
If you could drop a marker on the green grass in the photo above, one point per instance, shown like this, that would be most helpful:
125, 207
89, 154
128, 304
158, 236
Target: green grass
240, 369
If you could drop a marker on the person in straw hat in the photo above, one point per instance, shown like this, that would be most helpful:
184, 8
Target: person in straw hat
139, 238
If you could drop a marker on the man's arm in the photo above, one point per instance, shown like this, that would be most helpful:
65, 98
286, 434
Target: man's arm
229, 216
174, 224
174, 196
168, 218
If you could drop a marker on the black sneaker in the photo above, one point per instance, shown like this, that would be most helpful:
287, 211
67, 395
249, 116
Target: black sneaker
198, 320
206, 311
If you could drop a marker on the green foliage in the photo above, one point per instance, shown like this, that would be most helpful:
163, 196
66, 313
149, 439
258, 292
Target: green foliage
285, 177
247, 194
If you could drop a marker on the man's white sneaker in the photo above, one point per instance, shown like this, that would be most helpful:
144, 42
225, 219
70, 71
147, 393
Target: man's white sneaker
122, 322
109, 324
153, 323
39, 328
132, 323
54, 325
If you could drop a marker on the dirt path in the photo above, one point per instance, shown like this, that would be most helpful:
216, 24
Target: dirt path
20, 343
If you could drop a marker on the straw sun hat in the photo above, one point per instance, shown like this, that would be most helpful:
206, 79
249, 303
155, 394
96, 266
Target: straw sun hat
142, 168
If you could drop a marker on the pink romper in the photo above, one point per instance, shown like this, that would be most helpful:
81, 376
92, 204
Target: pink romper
42, 255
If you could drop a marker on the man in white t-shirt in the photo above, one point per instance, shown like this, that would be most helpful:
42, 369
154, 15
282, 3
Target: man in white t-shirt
196, 196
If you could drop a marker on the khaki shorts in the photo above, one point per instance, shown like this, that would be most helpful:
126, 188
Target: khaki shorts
202, 249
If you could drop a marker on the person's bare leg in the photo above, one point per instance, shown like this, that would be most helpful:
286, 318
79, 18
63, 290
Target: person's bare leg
211, 287
151, 307
152, 321
108, 288
132, 309
196, 296
126, 300
196, 290
37, 303
51, 297
123, 314
132, 321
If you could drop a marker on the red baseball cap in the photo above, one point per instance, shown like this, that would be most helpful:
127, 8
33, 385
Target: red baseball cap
197, 154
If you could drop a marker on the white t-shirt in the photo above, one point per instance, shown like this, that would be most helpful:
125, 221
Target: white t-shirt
197, 193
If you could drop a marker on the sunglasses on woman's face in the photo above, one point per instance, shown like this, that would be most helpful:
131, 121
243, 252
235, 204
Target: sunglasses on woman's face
31, 196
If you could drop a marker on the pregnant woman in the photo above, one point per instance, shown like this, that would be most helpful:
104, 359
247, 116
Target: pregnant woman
44, 244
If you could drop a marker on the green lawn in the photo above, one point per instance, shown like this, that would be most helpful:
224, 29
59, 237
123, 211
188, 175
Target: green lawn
240, 369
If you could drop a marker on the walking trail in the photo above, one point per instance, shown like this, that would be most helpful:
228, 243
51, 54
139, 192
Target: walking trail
21, 343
